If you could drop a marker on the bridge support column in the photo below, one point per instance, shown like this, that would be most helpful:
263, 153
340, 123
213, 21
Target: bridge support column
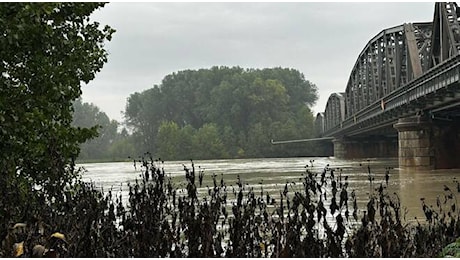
414, 138
426, 144
367, 147
339, 148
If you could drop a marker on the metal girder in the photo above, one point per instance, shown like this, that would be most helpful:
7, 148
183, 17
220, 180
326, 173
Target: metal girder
412, 49
423, 34
301, 140
335, 110
445, 39
390, 60
402, 70
416, 96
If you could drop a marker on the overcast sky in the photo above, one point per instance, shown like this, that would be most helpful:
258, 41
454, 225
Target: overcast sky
321, 40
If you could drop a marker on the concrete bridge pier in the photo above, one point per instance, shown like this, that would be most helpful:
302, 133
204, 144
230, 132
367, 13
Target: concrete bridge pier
365, 147
426, 144
414, 137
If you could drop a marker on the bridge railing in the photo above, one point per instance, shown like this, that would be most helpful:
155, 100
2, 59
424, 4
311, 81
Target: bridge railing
434, 79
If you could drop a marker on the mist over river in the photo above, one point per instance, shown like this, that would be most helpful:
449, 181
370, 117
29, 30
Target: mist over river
272, 174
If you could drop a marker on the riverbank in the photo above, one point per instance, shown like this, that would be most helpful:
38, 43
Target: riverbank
213, 215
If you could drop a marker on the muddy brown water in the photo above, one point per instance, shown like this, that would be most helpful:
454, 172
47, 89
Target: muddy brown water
271, 175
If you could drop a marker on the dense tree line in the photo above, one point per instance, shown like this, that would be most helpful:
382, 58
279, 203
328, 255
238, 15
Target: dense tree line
110, 144
224, 112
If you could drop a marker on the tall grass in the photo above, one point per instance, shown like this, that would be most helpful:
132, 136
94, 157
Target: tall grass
320, 219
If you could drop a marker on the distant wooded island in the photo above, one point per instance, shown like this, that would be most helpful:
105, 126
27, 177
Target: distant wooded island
214, 113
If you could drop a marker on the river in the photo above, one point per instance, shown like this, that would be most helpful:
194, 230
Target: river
271, 175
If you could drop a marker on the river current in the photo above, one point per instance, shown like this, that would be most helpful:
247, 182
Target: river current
272, 174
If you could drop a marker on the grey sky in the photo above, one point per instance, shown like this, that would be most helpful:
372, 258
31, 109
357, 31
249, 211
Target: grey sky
321, 40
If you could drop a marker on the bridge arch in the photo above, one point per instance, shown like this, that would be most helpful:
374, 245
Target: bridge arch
335, 110
392, 61
389, 61
403, 94
319, 124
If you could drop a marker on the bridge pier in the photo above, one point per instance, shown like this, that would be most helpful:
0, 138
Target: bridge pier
428, 144
415, 149
365, 147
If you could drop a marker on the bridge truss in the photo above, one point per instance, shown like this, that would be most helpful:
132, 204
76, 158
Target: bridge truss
404, 70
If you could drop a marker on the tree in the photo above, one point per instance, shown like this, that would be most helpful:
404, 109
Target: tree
169, 140
207, 143
187, 148
242, 104
87, 116
122, 148
144, 112
47, 50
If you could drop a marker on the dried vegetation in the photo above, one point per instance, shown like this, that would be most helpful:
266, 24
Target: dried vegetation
319, 219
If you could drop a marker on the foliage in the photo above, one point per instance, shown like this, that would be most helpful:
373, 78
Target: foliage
160, 219
451, 250
47, 50
109, 144
140, 115
169, 136
248, 108
176, 142
122, 147
88, 115
207, 143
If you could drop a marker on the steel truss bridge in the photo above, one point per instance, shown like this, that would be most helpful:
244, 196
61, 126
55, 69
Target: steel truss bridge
407, 70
